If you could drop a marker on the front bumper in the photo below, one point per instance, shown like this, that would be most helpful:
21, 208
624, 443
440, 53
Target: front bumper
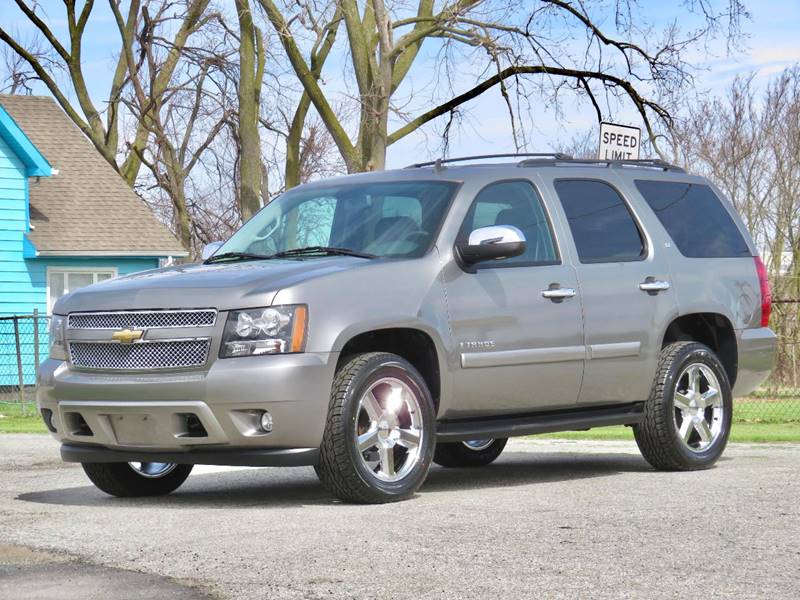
139, 416
242, 457
757, 349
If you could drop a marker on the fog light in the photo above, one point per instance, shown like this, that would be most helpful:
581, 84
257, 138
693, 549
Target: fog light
266, 421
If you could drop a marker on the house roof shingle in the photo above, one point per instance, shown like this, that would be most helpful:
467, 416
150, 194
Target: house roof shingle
86, 208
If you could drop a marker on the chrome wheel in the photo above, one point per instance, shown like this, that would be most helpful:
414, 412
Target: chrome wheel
698, 407
389, 429
151, 469
478, 445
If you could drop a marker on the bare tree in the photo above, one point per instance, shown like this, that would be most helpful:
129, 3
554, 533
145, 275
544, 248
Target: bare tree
18, 76
748, 143
102, 127
184, 120
507, 43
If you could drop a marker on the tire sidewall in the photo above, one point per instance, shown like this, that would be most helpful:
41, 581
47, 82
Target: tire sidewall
490, 453
379, 368
458, 454
698, 353
122, 480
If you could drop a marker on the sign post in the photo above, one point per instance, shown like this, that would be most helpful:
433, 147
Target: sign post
619, 142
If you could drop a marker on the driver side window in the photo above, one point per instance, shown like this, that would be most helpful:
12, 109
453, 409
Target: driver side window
514, 203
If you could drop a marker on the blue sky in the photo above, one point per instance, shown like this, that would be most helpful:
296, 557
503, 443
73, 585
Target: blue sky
772, 44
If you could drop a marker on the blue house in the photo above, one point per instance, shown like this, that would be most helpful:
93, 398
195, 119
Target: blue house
67, 219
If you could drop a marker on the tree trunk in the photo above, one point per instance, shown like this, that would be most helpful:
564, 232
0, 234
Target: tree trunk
183, 221
293, 169
249, 92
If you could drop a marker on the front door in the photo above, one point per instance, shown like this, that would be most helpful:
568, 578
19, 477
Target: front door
625, 289
519, 349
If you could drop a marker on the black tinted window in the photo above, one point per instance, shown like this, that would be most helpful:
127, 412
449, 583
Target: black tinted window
695, 219
601, 224
514, 203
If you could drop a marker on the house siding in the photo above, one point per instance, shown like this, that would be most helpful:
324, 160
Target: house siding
17, 283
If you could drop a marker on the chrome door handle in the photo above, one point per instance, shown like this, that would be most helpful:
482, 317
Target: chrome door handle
654, 286
558, 293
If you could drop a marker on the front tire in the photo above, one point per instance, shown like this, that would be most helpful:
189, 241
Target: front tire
378, 442
687, 419
136, 480
475, 453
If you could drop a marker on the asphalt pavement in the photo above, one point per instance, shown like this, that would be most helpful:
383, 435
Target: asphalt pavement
550, 519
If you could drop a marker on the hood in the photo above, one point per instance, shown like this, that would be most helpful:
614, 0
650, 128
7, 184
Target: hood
247, 284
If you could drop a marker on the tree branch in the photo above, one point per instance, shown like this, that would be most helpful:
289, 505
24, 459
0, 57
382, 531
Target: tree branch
311, 86
639, 102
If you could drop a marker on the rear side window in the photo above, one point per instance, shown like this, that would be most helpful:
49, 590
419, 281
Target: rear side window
601, 223
695, 219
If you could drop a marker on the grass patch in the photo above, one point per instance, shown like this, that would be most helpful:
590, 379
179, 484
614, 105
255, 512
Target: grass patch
16, 418
764, 409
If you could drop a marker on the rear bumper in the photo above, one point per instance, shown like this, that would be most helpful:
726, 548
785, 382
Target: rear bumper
146, 413
756, 358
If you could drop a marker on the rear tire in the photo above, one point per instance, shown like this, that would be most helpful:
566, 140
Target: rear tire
125, 481
461, 454
378, 442
687, 419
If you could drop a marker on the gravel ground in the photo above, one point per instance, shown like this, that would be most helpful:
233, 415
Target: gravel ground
548, 519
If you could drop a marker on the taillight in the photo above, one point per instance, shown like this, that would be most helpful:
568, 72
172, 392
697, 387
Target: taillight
766, 294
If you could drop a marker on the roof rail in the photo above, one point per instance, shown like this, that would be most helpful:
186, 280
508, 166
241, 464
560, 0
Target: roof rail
555, 156
647, 163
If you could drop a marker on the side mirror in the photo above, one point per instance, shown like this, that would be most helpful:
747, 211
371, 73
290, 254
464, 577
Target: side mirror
491, 243
210, 249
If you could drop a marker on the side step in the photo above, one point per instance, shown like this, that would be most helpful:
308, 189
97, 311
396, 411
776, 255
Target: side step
543, 422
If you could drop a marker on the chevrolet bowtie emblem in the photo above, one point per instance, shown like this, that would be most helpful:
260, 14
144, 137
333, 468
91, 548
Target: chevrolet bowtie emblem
127, 336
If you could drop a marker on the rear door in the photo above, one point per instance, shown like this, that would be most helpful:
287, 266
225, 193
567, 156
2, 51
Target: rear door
626, 290
518, 350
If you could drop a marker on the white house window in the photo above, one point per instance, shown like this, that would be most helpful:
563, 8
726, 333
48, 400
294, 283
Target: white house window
62, 281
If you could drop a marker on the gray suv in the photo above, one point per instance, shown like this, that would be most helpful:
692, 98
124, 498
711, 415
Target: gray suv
371, 324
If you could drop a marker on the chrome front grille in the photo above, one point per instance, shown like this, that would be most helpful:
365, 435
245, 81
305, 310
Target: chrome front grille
139, 356
161, 319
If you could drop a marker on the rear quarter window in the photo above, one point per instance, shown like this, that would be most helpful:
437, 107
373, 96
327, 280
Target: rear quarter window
695, 219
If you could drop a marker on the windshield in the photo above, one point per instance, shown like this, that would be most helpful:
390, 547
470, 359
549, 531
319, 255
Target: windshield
394, 219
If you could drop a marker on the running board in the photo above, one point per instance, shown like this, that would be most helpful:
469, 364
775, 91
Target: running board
544, 422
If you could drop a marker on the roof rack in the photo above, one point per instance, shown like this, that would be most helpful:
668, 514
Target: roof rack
555, 156
648, 163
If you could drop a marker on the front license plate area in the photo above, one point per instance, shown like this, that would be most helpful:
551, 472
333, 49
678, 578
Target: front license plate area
134, 430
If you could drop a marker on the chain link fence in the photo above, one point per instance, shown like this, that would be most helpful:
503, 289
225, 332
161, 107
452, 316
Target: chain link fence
23, 345
778, 400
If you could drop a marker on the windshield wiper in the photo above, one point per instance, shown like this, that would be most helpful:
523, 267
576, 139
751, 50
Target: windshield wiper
323, 250
306, 251
235, 256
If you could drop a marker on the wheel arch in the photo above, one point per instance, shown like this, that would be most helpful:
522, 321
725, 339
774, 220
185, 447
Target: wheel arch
714, 330
416, 344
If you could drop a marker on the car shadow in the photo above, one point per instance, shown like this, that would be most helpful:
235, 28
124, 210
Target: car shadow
298, 486
526, 468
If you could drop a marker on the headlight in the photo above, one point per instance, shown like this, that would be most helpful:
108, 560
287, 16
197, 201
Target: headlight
271, 330
57, 348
